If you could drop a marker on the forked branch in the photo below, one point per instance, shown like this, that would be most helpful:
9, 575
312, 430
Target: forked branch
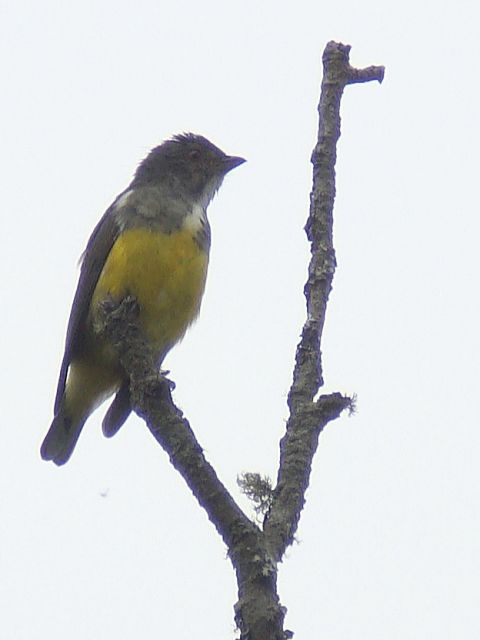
255, 552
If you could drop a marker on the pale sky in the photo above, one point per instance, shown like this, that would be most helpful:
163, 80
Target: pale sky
113, 545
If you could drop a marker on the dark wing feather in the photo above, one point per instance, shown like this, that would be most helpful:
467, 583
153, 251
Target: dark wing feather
94, 257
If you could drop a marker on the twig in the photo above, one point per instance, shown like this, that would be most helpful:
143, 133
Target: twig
307, 415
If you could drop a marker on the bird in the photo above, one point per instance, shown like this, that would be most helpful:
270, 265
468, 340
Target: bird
151, 244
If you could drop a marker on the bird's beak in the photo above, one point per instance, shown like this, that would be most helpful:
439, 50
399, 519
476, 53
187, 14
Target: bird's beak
230, 162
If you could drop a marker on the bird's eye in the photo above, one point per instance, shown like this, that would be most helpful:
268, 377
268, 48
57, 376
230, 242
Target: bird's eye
194, 154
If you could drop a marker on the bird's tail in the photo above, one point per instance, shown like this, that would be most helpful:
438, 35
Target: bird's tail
118, 411
62, 437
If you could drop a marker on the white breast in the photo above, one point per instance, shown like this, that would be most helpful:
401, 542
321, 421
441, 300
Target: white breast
196, 220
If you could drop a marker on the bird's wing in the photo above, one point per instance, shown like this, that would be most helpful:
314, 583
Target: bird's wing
99, 245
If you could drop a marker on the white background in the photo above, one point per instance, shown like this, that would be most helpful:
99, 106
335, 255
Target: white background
113, 545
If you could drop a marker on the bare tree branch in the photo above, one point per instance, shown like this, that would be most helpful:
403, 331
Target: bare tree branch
307, 415
150, 395
258, 607
255, 552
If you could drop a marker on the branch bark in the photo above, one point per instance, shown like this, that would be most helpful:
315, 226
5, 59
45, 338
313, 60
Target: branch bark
307, 415
255, 552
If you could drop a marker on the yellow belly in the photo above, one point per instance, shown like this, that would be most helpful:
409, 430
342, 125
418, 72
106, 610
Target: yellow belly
165, 273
